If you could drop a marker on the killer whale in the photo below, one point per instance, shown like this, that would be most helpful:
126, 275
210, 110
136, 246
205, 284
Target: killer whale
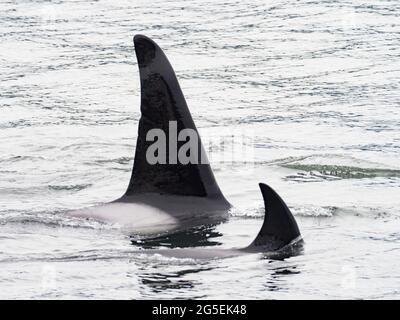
162, 197
278, 238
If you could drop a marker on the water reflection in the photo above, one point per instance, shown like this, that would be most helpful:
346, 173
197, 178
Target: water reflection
195, 237
279, 276
158, 282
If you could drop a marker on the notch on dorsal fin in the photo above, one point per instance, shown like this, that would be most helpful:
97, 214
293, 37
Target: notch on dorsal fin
162, 102
279, 228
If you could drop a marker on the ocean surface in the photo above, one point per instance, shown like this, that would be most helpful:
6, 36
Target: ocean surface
312, 86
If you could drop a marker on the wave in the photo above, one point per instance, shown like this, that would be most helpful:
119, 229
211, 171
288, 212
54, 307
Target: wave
84, 255
310, 211
344, 172
333, 167
53, 219
75, 187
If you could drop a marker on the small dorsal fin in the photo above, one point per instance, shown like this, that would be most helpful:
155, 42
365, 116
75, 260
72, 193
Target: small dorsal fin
162, 102
279, 227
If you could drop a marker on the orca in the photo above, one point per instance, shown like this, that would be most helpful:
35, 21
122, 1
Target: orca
162, 197
279, 237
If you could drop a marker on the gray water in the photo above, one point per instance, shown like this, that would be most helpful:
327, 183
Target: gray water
314, 84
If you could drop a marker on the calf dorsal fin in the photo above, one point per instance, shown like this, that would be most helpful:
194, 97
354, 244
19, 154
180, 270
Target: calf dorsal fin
279, 228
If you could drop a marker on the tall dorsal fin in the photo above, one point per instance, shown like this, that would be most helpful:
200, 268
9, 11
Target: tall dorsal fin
279, 227
162, 101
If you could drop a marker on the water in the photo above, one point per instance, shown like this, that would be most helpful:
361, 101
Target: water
314, 83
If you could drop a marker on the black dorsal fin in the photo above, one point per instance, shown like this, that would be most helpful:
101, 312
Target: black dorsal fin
162, 101
279, 227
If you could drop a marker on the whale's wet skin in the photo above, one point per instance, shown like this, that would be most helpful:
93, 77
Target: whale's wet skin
153, 214
315, 87
168, 190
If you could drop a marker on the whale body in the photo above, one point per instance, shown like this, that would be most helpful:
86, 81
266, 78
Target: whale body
278, 238
167, 197
163, 196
